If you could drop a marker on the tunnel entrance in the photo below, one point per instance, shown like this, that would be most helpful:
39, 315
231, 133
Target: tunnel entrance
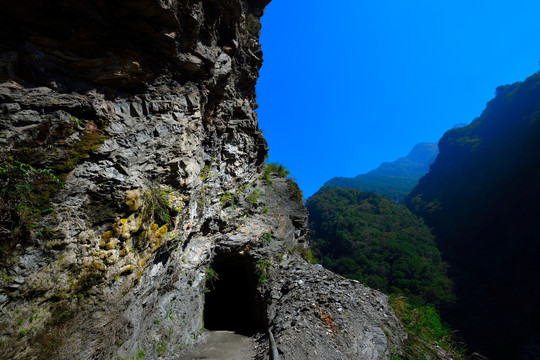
232, 301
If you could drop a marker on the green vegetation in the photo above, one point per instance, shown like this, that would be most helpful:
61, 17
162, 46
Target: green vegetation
27, 189
206, 171
367, 237
393, 179
76, 120
25, 195
393, 187
161, 347
425, 331
211, 277
211, 274
226, 198
276, 169
89, 143
262, 269
481, 200
268, 237
159, 208
282, 171
296, 193
140, 354
306, 253
254, 196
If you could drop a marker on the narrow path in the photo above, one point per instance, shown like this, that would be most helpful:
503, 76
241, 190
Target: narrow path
221, 345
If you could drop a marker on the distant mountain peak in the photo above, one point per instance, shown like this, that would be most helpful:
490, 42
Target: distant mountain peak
414, 165
424, 153
393, 179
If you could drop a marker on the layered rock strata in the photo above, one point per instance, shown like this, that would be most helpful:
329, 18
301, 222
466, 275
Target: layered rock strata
133, 188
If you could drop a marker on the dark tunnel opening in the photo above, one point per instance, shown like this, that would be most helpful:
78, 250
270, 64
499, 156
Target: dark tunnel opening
232, 301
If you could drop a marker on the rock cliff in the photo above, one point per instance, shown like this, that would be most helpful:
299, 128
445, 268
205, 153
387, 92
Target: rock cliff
135, 209
481, 200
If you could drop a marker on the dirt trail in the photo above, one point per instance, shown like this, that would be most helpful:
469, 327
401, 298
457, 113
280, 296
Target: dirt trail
221, 345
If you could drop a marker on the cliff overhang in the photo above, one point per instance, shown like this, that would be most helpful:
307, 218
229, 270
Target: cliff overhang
132, 169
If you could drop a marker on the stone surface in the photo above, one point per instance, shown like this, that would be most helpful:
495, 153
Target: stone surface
319, 315
145, 112
221, 345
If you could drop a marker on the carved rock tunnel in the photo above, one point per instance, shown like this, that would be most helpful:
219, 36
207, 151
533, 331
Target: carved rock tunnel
232, 301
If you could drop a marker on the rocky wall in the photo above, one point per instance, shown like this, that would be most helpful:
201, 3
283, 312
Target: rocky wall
131, 159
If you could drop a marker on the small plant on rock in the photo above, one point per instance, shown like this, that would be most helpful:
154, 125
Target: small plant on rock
211, 277
296, 193
274, 168
226, 198
206, 172
262, 268
140, 354
255, 195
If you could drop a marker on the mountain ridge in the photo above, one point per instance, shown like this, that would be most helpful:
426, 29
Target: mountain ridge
480, 200
393, 179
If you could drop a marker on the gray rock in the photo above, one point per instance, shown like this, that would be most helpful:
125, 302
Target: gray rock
10, 108
157, 126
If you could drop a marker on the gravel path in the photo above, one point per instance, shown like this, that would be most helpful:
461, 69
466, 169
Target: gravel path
221, 345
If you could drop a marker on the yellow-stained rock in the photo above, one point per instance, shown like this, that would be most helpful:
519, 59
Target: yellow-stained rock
133, 223
112, 257
106, 236
177, 201
133, 199
120, 228
127, 269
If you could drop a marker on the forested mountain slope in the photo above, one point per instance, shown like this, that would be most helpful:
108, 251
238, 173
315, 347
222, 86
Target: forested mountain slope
393, 179
367, 237
481, 199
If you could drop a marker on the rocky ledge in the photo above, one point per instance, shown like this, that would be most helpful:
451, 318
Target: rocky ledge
136, 209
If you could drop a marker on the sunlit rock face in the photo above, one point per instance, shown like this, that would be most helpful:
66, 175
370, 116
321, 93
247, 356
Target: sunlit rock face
132, 176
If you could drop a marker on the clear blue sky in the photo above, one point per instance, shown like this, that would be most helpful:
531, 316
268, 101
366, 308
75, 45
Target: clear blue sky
348, 84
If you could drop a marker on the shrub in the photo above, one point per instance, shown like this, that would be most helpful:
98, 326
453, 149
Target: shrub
274, 168
262, 269
296, 193
425, 331
226, 198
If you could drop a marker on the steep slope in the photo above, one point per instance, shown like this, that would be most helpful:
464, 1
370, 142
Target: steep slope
131, 194
393, 179
481, 199
365, 236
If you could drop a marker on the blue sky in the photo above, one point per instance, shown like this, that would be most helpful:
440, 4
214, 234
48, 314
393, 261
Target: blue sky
348, 84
